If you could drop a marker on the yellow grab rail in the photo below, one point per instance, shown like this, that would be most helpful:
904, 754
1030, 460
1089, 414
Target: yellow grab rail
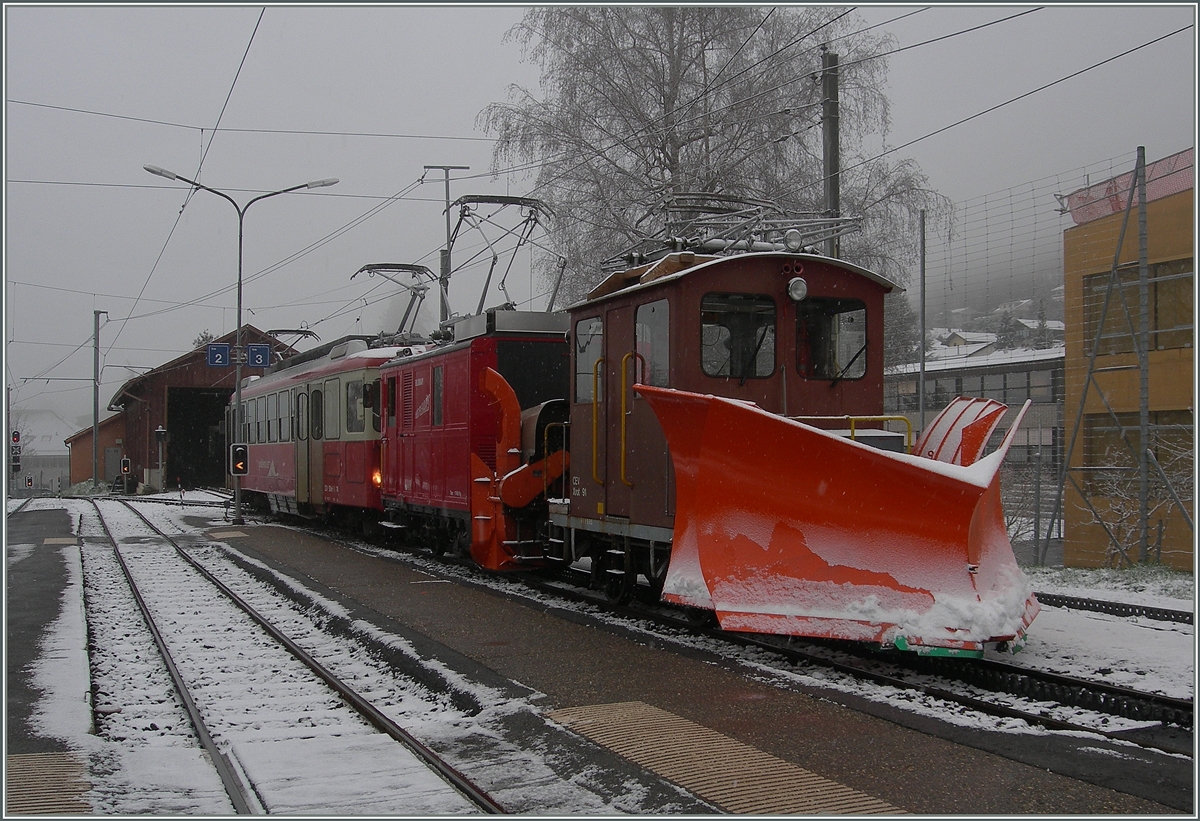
855, 420
625, 404
596, 420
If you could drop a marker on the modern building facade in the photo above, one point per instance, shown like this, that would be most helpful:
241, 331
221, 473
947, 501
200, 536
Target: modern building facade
1111, 308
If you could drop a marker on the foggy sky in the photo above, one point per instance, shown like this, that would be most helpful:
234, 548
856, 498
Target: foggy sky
95, 93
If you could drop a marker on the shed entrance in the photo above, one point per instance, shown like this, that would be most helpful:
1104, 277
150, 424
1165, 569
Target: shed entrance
195, 456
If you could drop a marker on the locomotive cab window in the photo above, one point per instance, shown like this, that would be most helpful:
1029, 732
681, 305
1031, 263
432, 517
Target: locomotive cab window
737, 335
589, 347
653, 330
373, 400
391, 402
831, 339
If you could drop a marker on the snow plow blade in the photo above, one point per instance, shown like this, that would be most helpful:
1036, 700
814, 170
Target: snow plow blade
784, 528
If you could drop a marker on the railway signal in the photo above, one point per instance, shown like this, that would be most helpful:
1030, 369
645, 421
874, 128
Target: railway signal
239, 460
28, 480
125, 466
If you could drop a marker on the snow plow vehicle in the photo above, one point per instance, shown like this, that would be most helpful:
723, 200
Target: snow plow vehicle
704, 428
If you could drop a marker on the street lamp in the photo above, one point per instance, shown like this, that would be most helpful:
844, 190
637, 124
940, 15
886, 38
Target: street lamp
160, 436
241, 212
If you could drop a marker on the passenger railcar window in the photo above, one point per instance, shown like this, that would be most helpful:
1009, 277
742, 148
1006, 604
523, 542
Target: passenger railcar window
437, 395
356, 421
273, 418
589, 347
260, 417
737, 335
831, 339
653, 329
333, 422
285, 416
318, 415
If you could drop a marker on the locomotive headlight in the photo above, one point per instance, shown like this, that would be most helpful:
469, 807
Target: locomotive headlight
797, 289
793, 240
377, 479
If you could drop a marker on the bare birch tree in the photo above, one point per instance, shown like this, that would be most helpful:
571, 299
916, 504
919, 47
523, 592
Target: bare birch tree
642, 103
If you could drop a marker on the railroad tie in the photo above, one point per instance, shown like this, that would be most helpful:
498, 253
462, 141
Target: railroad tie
45, 784
732, 775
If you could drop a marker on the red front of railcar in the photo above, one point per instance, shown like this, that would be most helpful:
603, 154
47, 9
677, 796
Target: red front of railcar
444, 428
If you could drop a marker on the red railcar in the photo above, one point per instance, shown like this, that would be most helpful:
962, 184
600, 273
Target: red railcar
313, 426
452, 430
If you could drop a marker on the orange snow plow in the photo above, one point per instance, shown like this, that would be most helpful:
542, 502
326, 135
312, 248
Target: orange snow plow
781, 527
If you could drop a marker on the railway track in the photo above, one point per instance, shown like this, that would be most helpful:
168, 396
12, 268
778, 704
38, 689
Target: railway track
302, 704
988, 686
21, 506
972, 683
1113, 608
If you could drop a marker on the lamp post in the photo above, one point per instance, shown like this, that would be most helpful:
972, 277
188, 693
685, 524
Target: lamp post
241, 212
160, 436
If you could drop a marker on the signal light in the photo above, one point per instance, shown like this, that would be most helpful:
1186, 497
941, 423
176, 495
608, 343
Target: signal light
125, 466
239, 460
28, 481
16, 437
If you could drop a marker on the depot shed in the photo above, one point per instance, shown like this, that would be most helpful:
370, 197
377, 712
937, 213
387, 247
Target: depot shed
187, 398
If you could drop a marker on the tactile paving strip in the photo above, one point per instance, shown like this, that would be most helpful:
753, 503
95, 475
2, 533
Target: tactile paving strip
45, 784
732, 775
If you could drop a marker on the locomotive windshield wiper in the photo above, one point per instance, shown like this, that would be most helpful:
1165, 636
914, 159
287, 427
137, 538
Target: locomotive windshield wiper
754, 357
849, 364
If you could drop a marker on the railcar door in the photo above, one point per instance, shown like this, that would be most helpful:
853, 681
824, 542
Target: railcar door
618, 377
389, 440
316, 443
300, 443
637, 350
588, 433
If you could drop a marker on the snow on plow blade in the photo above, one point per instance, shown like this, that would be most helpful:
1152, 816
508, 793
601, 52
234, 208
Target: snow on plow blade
784, 528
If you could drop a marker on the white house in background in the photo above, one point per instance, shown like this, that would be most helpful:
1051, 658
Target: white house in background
45, 457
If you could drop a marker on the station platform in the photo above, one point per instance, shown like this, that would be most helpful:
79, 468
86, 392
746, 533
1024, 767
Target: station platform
628, 693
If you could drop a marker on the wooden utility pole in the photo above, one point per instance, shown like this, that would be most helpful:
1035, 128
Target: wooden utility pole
830, 142
96, 396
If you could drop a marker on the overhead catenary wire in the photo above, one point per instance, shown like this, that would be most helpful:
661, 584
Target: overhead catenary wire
280, 264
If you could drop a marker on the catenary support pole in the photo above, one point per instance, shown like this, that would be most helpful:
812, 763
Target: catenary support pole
444, 277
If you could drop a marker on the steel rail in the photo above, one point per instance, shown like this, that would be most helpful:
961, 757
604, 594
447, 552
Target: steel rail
228, 774
369, 711
21, 506
1115, 608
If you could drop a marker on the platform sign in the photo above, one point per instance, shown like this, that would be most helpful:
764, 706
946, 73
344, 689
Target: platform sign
218, 354
258, 356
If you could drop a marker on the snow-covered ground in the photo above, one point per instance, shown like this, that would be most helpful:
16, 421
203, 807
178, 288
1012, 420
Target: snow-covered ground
144, 760
158, 774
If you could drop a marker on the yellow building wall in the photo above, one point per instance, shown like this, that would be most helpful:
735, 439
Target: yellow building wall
1088, 249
